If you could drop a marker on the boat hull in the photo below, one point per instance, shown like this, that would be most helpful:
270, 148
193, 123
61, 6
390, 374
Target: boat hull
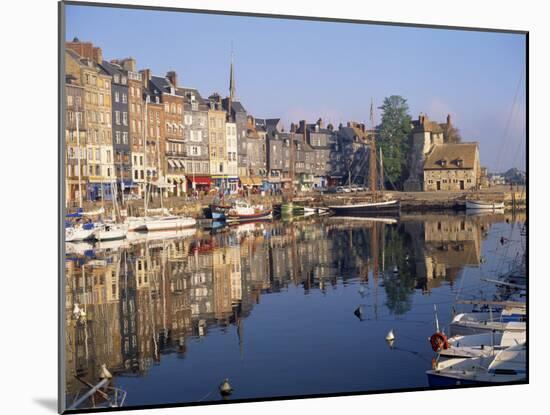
79, 234
169, 224
377, 208
479, 205
250, 217
217, 212
436, 380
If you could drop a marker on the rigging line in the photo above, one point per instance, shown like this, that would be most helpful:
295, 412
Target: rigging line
509, 118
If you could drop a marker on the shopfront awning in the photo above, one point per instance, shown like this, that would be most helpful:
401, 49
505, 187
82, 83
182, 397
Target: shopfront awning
172, 164
251, 181
245, 181
201, 180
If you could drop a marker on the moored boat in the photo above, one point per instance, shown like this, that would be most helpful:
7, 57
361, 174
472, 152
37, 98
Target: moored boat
217, 212
505, 366
392, 207
475, 323
80, 232
111, 231
484, 205
242, 211
168, 223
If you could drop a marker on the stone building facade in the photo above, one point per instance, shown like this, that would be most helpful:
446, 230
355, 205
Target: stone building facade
174, 166
452, 167
425, 135
97, 93
120, 126
75, 143
195, 130
217, 141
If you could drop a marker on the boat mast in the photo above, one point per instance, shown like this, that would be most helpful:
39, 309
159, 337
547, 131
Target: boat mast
161, 189
78, 155
372, 152
145, 197
381, 171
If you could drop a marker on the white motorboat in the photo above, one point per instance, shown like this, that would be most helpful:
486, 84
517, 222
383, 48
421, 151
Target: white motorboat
484, 205
162, 223
475, 323
136, 224
479, 345
111, 231
505, 366
80, 232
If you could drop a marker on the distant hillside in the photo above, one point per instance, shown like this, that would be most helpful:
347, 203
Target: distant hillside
514, 175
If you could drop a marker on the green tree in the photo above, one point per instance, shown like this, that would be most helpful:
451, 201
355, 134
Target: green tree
394, 136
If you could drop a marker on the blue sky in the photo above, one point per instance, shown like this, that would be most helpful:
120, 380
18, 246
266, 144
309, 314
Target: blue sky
303, 69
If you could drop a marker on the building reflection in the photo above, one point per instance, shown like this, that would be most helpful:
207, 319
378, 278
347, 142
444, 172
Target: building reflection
145, 300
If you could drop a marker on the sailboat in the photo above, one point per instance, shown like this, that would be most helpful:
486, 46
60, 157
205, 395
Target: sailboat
374, 207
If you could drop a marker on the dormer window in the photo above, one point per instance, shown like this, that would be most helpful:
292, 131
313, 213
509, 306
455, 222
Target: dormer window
459, 162
443, 163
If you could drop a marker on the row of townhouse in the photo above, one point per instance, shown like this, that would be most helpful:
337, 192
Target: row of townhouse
128, 130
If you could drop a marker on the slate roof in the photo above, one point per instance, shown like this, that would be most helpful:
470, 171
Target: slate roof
446, 157
111, 69
426, 126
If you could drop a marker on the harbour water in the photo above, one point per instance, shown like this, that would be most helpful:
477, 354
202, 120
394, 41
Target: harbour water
279, 309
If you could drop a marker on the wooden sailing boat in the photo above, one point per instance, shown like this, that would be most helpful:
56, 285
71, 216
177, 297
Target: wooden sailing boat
378, 205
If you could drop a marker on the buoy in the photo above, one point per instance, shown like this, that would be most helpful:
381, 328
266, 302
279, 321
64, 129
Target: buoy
359, 312
361, 290
225, 388
390, 337
105, 374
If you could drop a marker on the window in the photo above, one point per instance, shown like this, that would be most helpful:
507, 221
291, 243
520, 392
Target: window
117, 96
166, 107
124, 98
188, 119
117, 137
125, 118
117, 117
125, 137
69, 100
117, 79
124, 80
133, 126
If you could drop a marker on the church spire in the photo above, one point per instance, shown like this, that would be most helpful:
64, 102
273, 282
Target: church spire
231, 79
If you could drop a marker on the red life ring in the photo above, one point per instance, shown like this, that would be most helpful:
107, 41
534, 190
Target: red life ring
439, 342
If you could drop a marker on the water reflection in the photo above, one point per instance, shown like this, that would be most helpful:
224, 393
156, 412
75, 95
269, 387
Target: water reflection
145, 300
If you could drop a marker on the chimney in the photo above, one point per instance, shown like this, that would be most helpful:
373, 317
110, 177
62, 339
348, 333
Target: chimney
146, 75
448, 120
303, 126
320, 122
172, 77
349, 124
128, 64
292, 127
